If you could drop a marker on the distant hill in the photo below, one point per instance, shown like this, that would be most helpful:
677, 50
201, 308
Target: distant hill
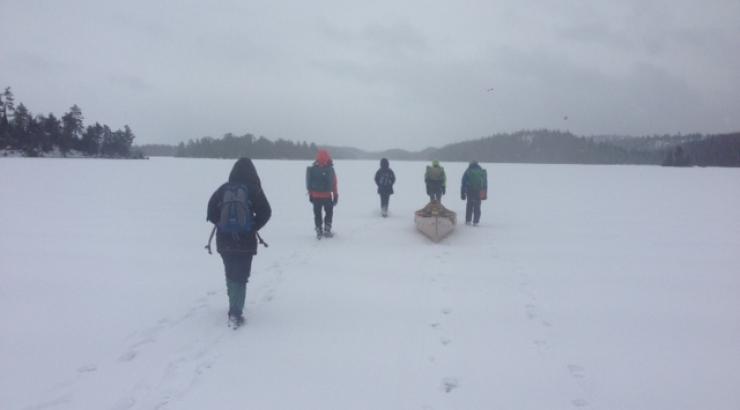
544, 146
526, 146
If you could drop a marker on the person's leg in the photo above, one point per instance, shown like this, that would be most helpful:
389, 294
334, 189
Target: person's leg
237, 294
468, 210
328, 218
384, 197
237, 268
317, 220
476, 211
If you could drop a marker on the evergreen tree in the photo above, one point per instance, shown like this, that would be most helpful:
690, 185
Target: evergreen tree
20, 129
35, 135
72, 128
91, 139
6, 110
52, 131
107, 145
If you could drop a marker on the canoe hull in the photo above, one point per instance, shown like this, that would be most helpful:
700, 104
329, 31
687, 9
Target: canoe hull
435, 228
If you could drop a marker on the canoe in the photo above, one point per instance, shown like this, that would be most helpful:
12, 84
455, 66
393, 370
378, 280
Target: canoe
435, 221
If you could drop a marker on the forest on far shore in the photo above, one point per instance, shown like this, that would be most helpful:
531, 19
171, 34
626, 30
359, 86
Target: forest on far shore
526, 146
46, 135
26, 134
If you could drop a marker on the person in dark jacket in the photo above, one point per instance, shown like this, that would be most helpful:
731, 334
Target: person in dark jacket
384, 179
237, 249
474, 188
321, 183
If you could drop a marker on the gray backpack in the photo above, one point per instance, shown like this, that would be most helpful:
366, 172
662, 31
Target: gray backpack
236, 212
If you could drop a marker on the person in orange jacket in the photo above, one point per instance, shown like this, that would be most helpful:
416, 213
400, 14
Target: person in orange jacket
321, 183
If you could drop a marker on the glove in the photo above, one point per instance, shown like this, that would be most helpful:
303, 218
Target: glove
462, 196
336, 200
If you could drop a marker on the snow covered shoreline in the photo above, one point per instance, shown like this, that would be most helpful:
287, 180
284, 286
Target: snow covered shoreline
4, 153
585, 287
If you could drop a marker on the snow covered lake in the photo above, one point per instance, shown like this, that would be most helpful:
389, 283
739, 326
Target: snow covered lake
585, 287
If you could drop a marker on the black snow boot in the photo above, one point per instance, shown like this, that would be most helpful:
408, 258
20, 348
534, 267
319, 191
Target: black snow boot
327, 231
236, 320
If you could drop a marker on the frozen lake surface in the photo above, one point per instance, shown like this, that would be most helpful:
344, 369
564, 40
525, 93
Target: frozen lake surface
585, 287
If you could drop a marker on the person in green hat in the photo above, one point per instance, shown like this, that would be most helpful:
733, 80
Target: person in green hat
436, 181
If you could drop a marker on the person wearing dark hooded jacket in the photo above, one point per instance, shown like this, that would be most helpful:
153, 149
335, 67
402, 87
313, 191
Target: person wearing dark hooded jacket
238, 249
474, 189
321, 183
384, 179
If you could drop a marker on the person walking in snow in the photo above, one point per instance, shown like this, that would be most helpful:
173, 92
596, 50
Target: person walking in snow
238, 209
321, 183
474, 188
384, 179
436, 181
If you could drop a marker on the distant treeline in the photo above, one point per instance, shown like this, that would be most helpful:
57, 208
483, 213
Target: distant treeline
715, 150
527, 146
39, 135
231, 146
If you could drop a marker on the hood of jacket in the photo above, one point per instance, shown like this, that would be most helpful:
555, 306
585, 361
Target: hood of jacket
384, 163
244, 172
323, 158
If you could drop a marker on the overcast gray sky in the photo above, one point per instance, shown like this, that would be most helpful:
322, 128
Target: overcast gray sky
377, 74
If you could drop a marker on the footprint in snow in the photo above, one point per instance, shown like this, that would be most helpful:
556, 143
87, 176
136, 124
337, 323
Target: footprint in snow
434, 325
128, 356
269, 296
579, 403
446, 311
540, 343
143, 342
124, 404
449, 384
49, 404
445, 341
88, 368
576, 371
531, 311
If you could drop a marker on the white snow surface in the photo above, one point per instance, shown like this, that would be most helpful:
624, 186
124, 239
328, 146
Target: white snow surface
585, 287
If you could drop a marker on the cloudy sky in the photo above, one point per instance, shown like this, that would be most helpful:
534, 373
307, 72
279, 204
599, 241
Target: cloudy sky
377, 74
